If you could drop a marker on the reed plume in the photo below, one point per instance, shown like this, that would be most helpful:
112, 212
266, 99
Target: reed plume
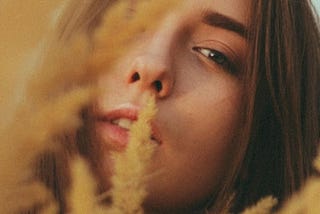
264, 206
82, 198
46, 107
130, 170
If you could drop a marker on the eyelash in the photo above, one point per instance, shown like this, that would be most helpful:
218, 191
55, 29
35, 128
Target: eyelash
217, 57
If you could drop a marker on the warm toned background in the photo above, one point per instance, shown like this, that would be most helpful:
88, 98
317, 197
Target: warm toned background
22, 24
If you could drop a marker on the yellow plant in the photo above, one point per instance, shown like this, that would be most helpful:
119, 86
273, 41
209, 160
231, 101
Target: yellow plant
130, 170
82, 198
264, 206
128, 191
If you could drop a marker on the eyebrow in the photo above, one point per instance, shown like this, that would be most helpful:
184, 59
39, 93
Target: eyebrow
218, 20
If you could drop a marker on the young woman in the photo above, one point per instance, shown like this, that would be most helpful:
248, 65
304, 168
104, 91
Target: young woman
237, 89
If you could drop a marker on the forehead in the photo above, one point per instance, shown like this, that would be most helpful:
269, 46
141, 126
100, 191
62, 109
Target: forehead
236, 9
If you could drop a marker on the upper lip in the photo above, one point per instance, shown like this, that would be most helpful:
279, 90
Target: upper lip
130, 113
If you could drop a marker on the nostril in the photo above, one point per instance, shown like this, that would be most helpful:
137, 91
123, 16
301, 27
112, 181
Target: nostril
158, 85
135, 77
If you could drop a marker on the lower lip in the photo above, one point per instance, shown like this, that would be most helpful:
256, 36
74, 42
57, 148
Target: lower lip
113, 135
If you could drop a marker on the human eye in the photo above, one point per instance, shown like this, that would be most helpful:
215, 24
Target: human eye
216, 57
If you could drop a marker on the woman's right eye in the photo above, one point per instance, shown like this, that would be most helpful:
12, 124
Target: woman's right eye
216, 57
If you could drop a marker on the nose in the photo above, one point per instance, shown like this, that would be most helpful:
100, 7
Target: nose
153, 65
152, 73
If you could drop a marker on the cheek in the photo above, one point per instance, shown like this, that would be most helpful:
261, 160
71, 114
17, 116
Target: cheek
210, 139
214, 118
199, 152
208, 111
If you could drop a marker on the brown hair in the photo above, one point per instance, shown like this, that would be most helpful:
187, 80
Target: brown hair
280, 132
282, 112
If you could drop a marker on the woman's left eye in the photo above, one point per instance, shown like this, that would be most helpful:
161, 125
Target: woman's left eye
215, 56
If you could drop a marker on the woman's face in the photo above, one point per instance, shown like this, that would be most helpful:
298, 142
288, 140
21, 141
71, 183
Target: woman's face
191, 62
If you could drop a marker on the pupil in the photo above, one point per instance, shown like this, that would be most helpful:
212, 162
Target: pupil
217, 57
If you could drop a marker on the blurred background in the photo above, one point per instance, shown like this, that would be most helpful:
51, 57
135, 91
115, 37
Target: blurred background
317, 4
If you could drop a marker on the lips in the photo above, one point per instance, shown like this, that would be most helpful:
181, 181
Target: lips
113, 127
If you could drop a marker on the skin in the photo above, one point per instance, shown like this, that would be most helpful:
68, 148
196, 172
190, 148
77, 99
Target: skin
198, 106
